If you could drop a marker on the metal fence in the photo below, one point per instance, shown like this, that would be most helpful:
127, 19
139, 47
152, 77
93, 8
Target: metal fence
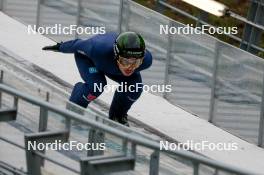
216, 81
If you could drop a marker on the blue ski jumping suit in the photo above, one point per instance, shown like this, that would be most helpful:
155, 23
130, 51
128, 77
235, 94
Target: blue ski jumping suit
95, 59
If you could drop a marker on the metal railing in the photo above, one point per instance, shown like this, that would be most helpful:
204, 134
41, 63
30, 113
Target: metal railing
199, 66
34, 166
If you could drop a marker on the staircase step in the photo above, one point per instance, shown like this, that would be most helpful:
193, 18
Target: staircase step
48, 136
98, 165
8, 114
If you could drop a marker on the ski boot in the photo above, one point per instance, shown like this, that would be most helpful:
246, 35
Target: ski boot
122, 120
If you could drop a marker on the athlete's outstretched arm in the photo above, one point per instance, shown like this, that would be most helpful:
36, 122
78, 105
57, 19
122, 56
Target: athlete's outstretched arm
72, 46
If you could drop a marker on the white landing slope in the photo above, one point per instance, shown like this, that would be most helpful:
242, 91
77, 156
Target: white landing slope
150, 109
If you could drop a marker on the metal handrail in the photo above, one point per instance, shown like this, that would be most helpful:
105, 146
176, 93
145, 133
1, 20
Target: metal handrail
196, 159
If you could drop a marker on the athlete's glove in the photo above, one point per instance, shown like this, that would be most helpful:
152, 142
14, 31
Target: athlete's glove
54, 48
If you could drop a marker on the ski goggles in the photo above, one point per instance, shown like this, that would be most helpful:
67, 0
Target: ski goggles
130, 62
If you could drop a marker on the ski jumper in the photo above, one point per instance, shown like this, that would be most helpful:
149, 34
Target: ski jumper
95, 59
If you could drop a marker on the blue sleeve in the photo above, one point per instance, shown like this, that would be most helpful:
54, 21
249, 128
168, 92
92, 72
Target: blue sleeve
77, 45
